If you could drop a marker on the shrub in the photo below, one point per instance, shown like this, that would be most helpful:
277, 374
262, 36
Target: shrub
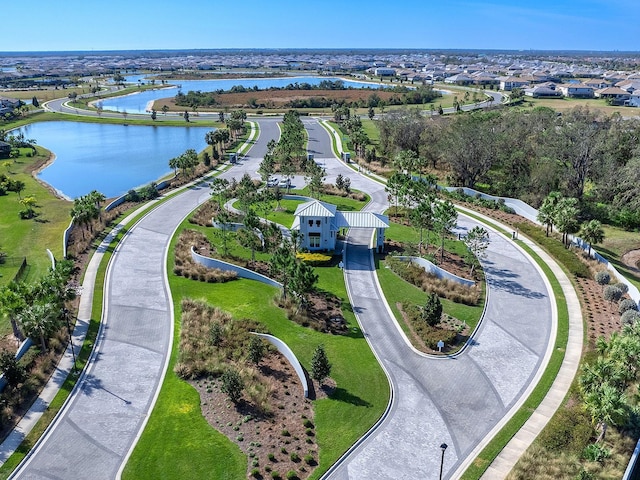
232, 384
627, 304
612, 293
285, 433
292, 475
307, 423
314, 259
271, 457
295, 457
309, 460
569, 429
596, 453
630, 317
13, 372
255, 473
623, 287
275, 475
432, 310
603, 277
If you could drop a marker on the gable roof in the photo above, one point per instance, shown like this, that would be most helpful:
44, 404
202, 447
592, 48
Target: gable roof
315, 208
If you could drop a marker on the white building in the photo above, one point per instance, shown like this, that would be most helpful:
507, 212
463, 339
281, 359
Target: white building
319, 224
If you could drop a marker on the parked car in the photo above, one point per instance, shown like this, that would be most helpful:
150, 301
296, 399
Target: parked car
272, 182
284, 183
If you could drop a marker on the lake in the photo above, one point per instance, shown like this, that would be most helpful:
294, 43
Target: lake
109, 158
137, 102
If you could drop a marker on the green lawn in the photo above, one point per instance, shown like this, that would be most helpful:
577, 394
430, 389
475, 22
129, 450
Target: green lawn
396, 290
30, 238
198, 451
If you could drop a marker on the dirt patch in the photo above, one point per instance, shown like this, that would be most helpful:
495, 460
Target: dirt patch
277, 98
632, 260
282, 440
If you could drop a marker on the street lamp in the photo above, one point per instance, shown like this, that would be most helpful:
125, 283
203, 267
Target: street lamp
443, 447
65, 312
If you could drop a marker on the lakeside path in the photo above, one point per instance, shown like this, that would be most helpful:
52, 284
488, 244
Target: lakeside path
454, 400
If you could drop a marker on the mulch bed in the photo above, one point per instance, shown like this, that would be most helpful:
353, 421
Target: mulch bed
281, 432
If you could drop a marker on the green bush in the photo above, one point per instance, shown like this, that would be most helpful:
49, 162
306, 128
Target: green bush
292, 475
596, 453
569, 429
295, 457
255, 473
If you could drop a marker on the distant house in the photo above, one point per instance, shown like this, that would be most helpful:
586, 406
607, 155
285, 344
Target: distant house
634, 100
5, 150
459, 79
384, 72
543, 90
509, 83
615, 94
577, 90
319, 224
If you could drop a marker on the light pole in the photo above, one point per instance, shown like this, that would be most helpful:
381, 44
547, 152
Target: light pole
65, 312
443, 447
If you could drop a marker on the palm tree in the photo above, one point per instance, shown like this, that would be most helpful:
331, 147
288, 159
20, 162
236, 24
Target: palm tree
39, 321
29, 203
548, 209
607, 406
12, 302
592, 233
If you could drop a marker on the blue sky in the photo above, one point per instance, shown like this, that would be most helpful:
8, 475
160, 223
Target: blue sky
45, 25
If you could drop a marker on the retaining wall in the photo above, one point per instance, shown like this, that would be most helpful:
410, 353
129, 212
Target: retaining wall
241, 271
437, 271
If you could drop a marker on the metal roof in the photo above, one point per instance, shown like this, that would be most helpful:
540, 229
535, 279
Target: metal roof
315, 208
361, 220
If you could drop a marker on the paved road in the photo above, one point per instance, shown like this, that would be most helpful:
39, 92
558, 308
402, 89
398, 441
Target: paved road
114, 397
452, 400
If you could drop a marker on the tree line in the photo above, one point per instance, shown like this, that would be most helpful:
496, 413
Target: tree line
527, 154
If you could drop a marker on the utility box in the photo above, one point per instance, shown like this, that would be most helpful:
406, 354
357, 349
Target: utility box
346, 157
309, 156
233, 158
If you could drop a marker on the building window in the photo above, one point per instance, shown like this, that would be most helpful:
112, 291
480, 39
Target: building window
310, 223
317, 223
314, 240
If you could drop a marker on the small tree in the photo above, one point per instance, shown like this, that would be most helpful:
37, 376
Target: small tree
256, 349
320, 366
592, 233
477, 241
13, 372
232, 384
432, 310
